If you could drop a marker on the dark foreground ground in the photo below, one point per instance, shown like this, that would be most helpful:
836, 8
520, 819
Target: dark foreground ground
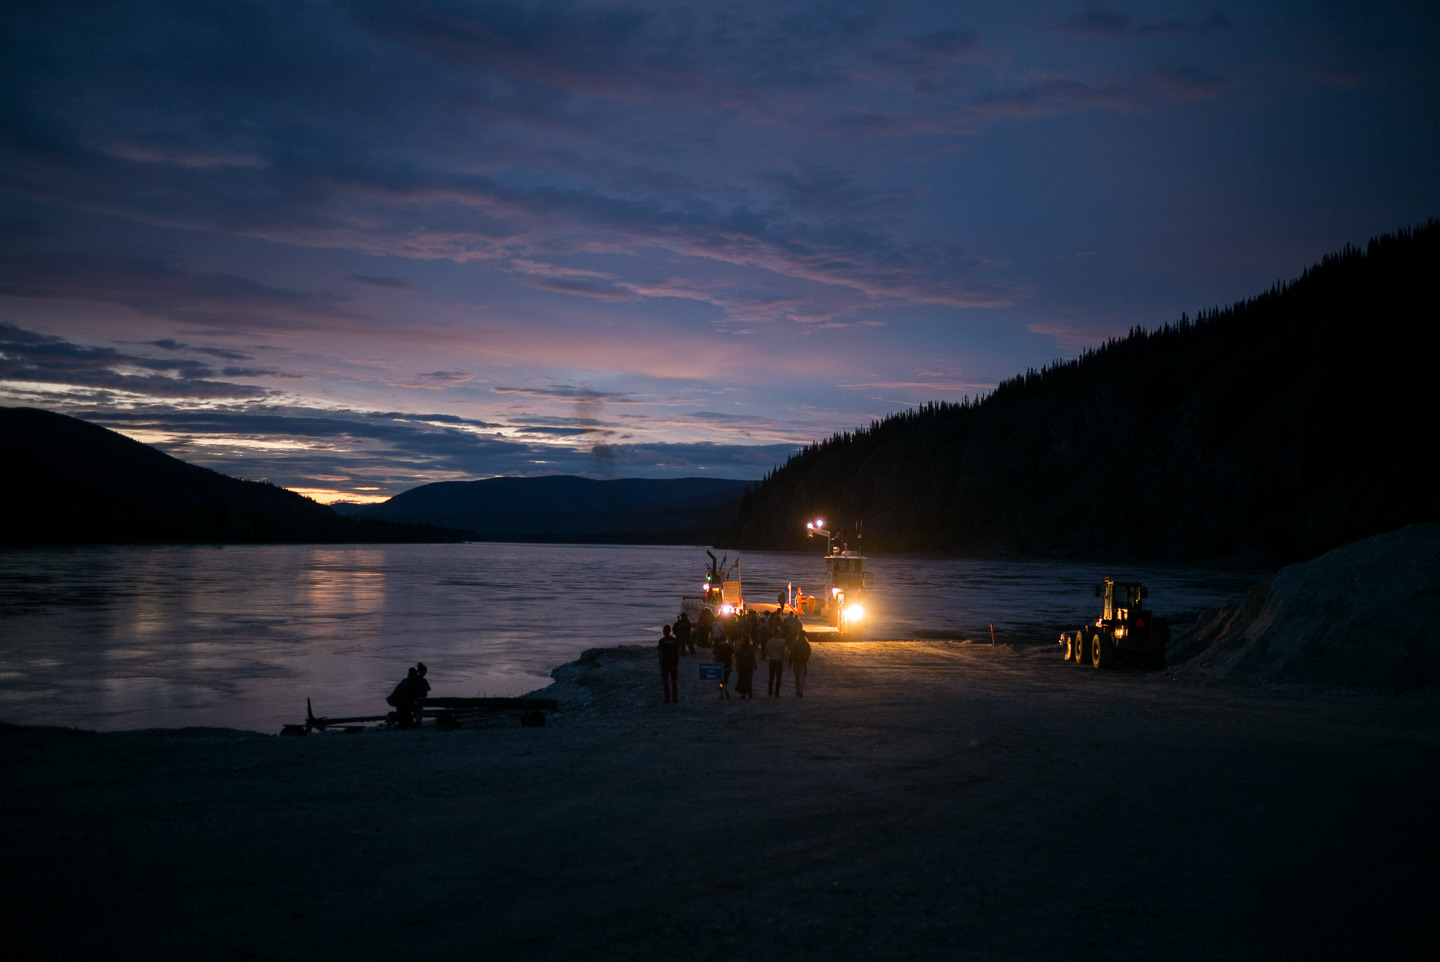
924, 800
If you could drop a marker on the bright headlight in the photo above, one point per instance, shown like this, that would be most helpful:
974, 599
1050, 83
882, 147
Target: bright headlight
854, 613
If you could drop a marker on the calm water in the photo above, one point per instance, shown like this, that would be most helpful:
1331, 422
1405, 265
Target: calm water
115, 638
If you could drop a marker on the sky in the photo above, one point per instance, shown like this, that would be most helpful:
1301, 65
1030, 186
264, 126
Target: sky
354, 247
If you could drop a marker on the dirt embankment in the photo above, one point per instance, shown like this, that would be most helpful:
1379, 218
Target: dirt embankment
1364, 616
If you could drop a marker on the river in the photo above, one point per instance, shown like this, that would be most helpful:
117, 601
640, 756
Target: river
130, 637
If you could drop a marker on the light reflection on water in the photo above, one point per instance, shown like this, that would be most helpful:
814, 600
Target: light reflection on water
115, 638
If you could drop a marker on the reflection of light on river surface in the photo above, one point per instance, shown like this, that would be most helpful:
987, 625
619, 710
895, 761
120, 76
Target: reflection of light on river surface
135, 637
339, 590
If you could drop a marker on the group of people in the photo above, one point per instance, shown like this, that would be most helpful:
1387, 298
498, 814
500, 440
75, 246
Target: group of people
409, 696
740, 643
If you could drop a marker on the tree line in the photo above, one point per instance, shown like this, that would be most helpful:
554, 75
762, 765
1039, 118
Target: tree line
1276, 427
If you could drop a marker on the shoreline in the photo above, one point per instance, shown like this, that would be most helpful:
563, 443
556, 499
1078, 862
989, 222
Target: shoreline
626, 687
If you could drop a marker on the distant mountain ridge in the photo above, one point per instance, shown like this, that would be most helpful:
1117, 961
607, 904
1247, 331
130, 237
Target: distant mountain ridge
69, 481
570, 508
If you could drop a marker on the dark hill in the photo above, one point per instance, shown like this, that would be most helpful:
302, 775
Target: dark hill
1282, 426
68, 481
568, 508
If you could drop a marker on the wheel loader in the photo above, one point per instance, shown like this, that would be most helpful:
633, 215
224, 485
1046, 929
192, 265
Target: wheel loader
1125, 633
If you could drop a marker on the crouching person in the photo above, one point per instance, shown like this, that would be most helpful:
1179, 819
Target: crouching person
408, 697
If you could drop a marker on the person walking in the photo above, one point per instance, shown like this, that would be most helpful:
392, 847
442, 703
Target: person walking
775, 656
800, 662
669, 651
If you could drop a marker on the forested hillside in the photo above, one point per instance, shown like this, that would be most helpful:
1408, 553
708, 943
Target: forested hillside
1281, 426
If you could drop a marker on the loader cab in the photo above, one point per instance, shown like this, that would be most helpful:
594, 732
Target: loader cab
1122, 599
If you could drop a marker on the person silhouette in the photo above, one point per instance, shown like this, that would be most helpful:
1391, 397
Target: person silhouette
669, 651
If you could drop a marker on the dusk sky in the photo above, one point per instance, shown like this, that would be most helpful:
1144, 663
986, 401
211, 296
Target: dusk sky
352, 247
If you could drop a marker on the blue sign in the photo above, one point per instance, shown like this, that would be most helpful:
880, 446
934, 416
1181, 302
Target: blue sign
711, 671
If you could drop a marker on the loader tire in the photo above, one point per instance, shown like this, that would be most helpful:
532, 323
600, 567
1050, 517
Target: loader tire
1102, 651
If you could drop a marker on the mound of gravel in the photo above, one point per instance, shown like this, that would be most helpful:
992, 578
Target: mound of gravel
1366, 615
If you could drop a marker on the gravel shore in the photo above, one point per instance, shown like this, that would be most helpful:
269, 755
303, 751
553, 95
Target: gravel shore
924, 800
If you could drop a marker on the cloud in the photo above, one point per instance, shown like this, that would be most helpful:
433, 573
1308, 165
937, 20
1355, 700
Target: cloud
594, 51
352, 163
27, 357
151, 288
1110, 23
396, 451
928, 62
391, 283
579, 392
1184, 83
224, 354
439, 380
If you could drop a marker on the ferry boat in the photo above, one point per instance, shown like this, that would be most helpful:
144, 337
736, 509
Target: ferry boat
720, 593
838, 609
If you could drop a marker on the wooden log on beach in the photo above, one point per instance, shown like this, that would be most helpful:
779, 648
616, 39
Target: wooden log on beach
446, 711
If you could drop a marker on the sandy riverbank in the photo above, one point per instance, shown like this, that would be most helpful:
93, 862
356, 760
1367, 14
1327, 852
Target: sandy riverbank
925, 800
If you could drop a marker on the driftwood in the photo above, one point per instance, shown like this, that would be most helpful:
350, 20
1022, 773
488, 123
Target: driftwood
447, 712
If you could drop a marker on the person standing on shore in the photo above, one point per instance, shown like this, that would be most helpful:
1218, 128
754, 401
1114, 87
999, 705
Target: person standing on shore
775, 656
800, 661
669, 650
684, 632
725, 655
745, 662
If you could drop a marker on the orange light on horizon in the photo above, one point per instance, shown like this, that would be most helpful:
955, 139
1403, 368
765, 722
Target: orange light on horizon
331, 495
